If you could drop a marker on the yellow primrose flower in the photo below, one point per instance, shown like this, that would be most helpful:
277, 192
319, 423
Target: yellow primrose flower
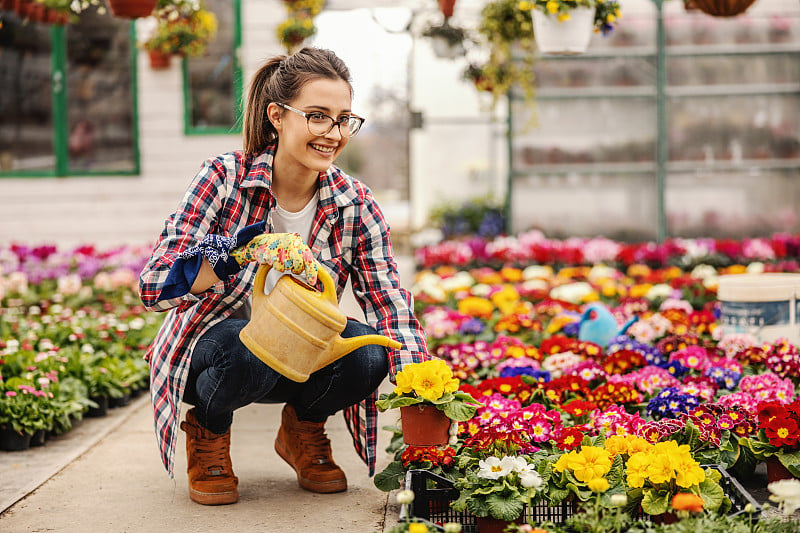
563, 16
417, 527
610, 18
637, 444
636, 469
552, 6
590, 463
563, 462
660, 468
688, 473
598, 484
506, 299
617, 445
511, 274
404, 380
476, 307
638, 291
428, 384
524, 6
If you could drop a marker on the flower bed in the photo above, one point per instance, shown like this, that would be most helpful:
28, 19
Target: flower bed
605, 381
72, 334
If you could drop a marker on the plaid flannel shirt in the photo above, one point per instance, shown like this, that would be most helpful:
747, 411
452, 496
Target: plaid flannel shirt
349, 237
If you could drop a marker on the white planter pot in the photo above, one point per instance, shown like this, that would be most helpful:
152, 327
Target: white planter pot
563, 38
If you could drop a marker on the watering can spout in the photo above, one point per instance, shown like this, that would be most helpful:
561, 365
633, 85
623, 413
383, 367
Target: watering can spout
344, 346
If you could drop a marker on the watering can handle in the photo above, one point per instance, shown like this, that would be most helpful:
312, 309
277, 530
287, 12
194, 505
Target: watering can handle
328, 287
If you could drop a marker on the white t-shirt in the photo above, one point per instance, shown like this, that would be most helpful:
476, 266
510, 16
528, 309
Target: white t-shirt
284, 221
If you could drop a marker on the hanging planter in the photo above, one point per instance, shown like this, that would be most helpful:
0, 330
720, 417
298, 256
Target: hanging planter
131, 9
567, 37
447, 7
719, 8
424, 425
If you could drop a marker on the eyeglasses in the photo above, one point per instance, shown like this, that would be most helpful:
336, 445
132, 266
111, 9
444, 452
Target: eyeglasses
320, 124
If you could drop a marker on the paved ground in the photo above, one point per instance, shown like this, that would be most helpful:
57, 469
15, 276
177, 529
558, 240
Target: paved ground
119, 485
106, 476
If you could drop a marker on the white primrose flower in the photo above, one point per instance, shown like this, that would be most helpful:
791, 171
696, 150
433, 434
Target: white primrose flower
493, 468
530, 479
786, 493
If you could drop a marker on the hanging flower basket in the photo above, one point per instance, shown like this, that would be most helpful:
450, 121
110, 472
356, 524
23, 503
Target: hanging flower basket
568, 37
719, 8
131, 9
424, 425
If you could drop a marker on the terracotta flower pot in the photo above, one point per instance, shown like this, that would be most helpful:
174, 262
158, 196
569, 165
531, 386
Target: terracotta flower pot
424, 425
159, 60
776, 471
131, 9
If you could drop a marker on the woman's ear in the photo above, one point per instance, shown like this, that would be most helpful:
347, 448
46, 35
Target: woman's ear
274, 115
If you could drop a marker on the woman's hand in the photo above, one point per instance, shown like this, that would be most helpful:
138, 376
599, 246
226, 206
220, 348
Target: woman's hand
285, 252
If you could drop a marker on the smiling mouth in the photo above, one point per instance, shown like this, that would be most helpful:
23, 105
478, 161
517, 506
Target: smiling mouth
323, 149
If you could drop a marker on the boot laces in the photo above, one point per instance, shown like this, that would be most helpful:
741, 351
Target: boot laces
315, 442
213, 455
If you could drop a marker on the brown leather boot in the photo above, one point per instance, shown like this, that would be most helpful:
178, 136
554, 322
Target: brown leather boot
306, 448
211, 478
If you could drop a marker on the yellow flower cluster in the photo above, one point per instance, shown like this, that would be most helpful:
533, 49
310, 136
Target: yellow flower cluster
589, 465
664, 462
428, 380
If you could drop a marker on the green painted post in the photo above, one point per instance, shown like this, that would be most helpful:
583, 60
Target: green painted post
661, 110
58, 73
238, 82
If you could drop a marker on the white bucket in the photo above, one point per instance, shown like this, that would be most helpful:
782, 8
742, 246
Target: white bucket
764, 305
568, 37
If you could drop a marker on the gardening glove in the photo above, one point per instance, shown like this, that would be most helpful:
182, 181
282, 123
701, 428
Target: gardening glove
285, 252
217, 249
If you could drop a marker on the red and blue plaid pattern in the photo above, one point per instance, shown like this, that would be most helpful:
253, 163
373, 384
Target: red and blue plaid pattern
349, 237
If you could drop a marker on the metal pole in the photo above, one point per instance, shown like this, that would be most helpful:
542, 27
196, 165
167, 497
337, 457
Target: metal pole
661, 111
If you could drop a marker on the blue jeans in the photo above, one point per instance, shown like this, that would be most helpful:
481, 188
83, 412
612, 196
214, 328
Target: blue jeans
224, 376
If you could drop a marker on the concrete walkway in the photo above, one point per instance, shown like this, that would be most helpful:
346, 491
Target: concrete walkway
106, 476
119, 485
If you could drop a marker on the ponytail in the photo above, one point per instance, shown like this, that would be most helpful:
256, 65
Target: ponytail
280, 79
257, 130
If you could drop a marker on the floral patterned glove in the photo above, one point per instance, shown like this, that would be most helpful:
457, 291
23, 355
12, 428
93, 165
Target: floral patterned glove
285, 252
217, 249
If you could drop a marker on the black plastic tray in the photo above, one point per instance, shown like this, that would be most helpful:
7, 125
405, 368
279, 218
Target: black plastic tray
433, 494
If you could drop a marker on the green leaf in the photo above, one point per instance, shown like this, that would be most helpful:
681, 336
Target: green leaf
712, 494
389, 478
655, 502
791, 461
502, 507
459, 411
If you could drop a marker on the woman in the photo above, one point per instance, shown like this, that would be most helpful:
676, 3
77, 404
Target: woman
297, 120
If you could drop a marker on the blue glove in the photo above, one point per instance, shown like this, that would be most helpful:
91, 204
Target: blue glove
216, 249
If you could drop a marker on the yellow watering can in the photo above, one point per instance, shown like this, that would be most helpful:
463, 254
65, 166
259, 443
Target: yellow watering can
295, 329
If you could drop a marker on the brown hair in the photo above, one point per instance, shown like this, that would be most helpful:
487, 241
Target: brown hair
280, 80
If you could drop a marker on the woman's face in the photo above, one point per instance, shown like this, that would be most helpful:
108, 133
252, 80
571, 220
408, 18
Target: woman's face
298, 146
